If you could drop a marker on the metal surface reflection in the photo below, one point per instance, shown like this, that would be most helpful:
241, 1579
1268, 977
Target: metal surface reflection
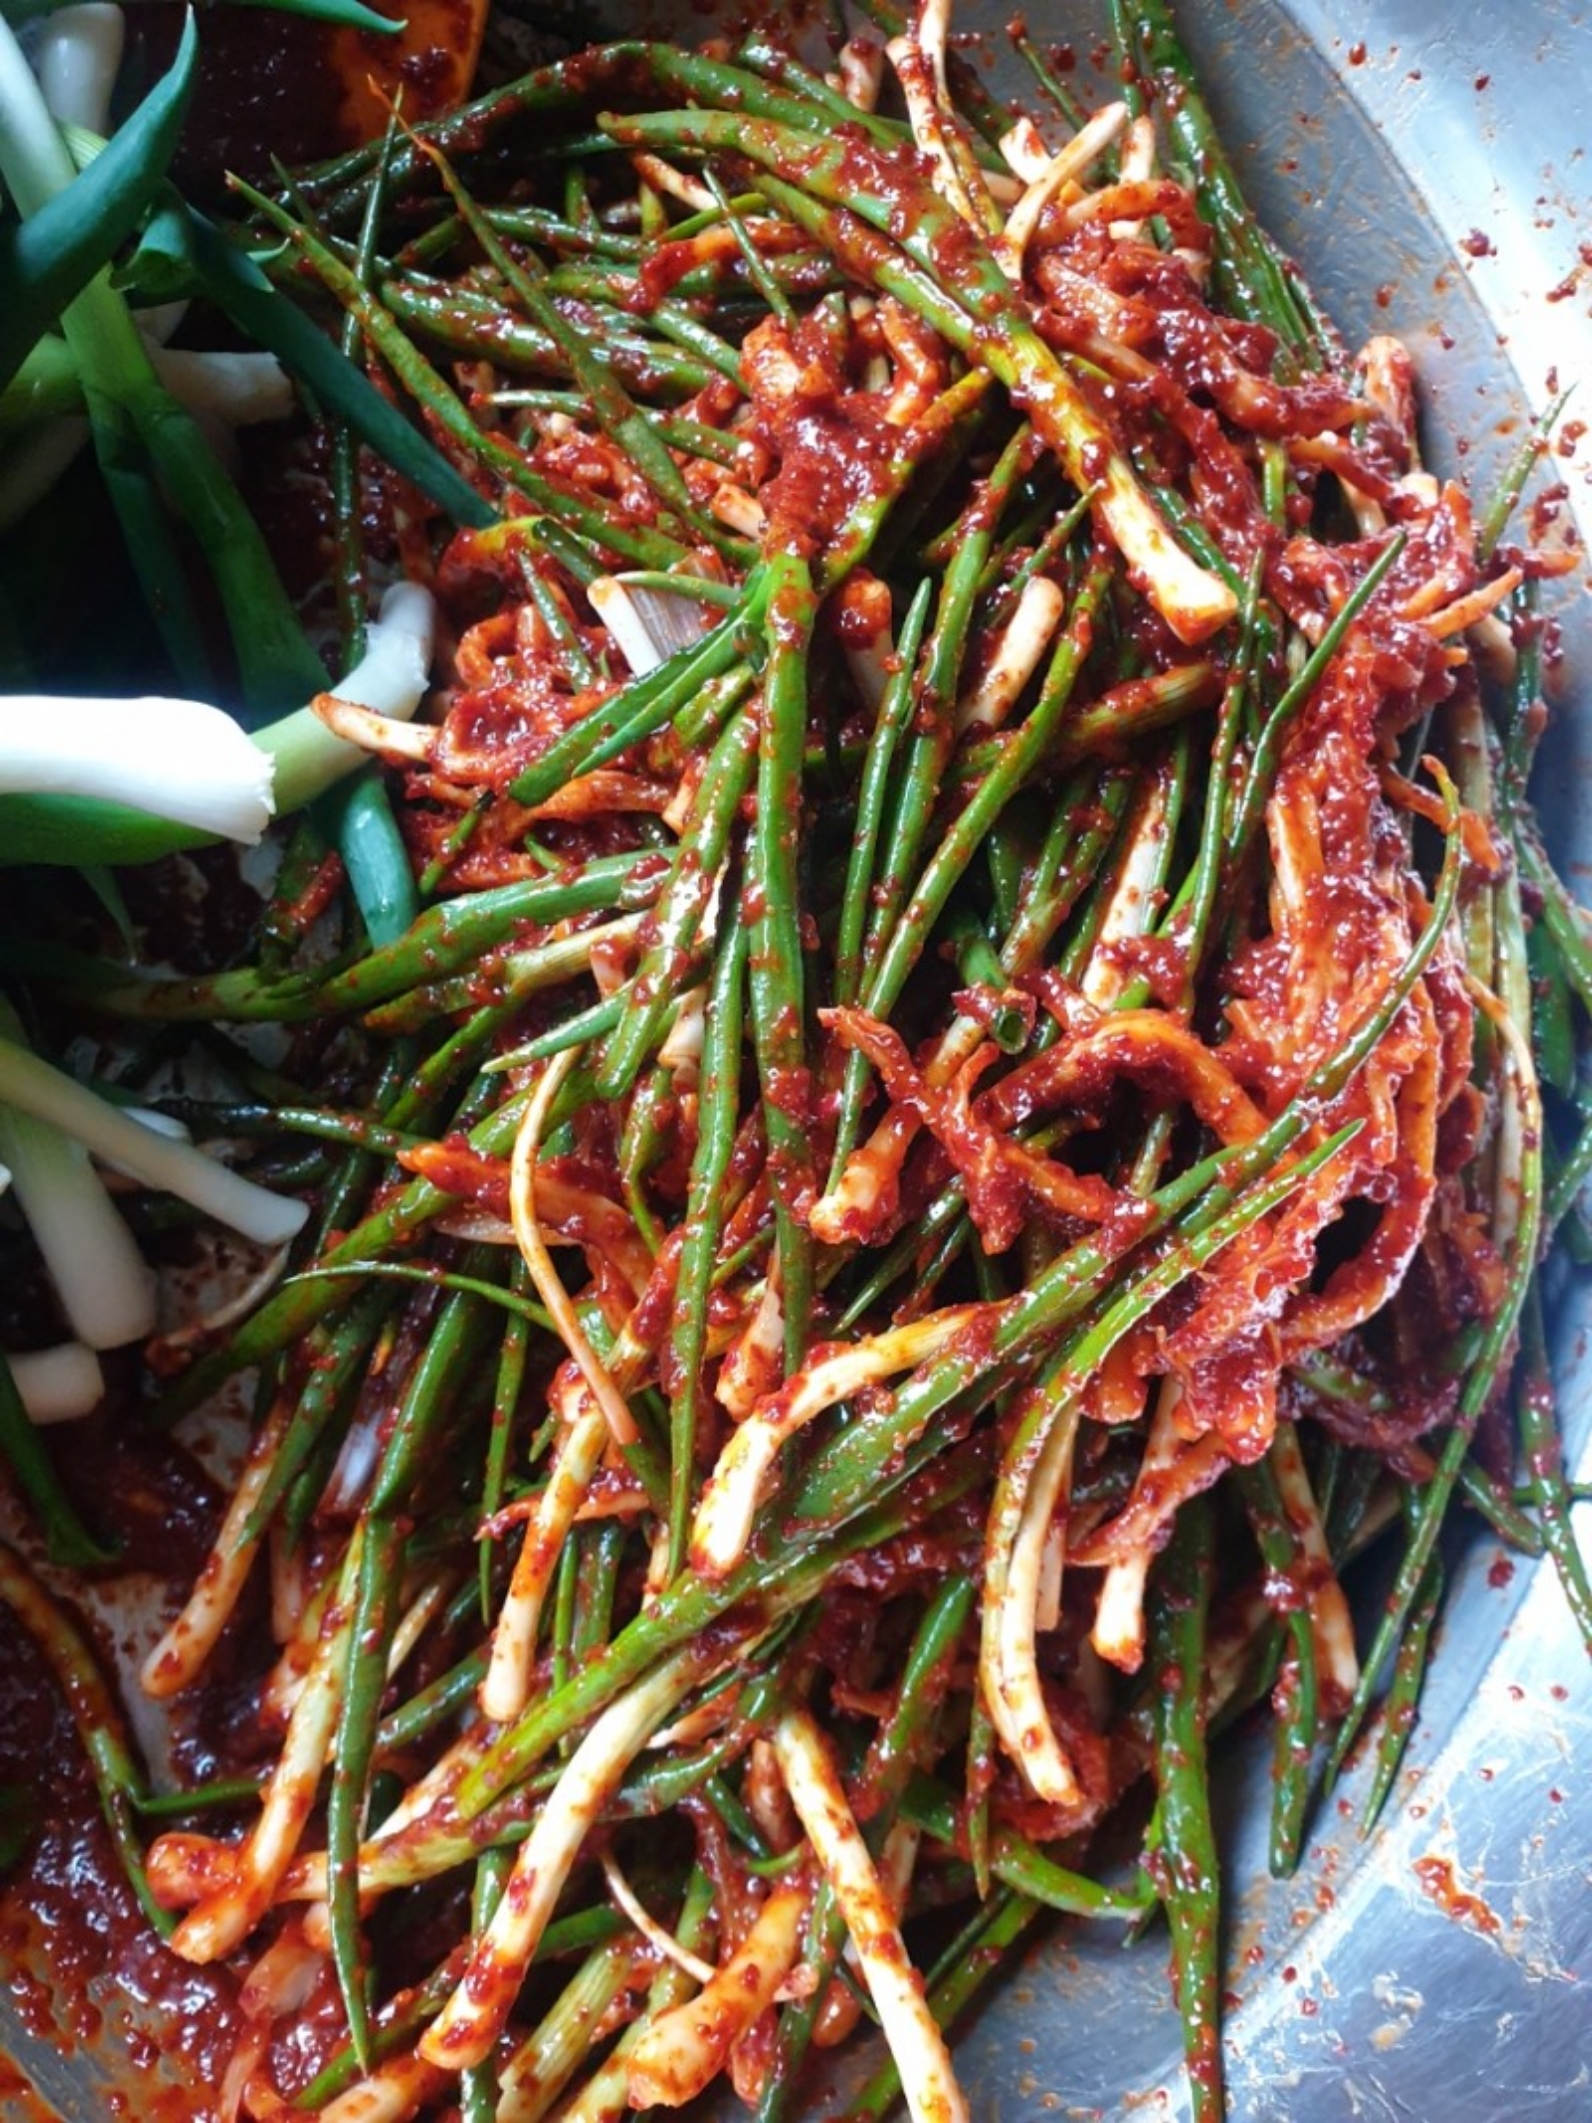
1440, 1970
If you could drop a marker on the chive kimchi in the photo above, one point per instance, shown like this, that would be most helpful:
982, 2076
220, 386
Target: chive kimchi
928, 1088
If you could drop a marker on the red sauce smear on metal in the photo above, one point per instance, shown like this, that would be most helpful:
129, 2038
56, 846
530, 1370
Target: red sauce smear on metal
1439, 1879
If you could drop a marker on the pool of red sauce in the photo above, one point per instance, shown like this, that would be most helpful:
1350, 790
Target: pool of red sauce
81, 1966
77, 1956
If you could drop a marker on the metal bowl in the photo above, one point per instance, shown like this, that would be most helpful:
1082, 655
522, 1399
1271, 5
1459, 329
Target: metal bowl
1426, 163
1426, 166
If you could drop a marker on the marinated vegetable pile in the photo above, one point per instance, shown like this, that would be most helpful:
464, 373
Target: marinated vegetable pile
928, 1087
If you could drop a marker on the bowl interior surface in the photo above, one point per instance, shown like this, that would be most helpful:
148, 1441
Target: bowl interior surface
1429, 178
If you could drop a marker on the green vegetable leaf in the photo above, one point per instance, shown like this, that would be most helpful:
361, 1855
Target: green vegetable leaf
276, 663
348, 14
102, 882
49, 258
361, 820
161, 267
22, 1453
236, 285
19, 1823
